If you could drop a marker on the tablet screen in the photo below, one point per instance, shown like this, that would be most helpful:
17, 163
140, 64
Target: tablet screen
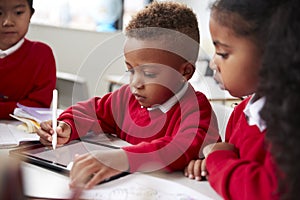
65, 154
59, 158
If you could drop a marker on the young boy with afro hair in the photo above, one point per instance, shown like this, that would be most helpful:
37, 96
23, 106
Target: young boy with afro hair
158, 112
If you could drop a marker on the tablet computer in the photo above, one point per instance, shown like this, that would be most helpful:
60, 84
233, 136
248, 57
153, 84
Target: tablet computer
59, 159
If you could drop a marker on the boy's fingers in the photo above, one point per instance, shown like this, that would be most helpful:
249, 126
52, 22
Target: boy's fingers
80, 157
63, 130
44, 135
96, 178
81, 171
45, 142
76, 161
99, 176
46, 126
61, 133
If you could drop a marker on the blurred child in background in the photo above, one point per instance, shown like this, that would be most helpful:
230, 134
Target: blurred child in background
27, 68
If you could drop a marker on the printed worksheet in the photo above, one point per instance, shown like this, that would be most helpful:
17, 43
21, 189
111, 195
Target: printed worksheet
142, 186
10, 136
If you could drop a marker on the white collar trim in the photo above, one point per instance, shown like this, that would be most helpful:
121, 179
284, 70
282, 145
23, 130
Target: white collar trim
165, 107
252, 110
12, 49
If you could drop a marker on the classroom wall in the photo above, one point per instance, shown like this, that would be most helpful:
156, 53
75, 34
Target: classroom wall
201, 8
85, 53
92, 55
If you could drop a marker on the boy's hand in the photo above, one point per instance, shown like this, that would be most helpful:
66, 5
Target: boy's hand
92, 168
63, 131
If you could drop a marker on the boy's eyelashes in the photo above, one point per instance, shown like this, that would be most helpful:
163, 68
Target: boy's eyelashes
145, 73
223, 55
149, 74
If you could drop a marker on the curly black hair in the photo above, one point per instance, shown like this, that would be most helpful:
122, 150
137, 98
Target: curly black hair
169, 15
280, 84
171, 23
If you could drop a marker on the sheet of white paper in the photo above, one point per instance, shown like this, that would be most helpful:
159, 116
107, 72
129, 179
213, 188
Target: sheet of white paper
34, 113
142, 186
10, 136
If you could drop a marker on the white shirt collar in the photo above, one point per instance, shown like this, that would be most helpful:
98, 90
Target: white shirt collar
165, 107
12, 49
252, 110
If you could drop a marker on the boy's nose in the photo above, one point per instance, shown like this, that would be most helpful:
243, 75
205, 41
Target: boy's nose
136, 81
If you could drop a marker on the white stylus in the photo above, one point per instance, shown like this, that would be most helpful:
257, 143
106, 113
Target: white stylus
54, 118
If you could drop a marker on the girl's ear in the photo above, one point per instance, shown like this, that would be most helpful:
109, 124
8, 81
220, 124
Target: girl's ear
187, 70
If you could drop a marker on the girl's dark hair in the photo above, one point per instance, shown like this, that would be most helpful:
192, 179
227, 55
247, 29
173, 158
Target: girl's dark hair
280, 84
247, 18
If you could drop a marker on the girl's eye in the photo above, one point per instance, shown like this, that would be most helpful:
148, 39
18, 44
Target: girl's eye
223, 55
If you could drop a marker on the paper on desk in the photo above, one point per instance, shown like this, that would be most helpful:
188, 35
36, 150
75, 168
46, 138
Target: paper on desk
31, 117
10, 136
142, 186
34, 113
28, 125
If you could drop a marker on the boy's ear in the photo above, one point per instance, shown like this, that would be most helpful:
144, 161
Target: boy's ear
187, 70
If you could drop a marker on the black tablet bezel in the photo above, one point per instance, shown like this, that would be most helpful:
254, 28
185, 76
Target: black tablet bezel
20, 153
23, 153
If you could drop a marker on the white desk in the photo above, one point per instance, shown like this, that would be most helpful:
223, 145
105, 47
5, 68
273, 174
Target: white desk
205, 84
43, 183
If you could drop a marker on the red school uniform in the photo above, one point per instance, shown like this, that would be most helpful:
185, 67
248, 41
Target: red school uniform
27, 76
165, 140
252, 173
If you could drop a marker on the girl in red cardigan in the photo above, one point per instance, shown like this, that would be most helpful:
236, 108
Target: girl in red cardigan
27, 68
158, 112
242, 166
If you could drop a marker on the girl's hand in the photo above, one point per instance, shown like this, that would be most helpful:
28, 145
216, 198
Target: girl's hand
196, 169
218, 146
63, 131
92, 168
